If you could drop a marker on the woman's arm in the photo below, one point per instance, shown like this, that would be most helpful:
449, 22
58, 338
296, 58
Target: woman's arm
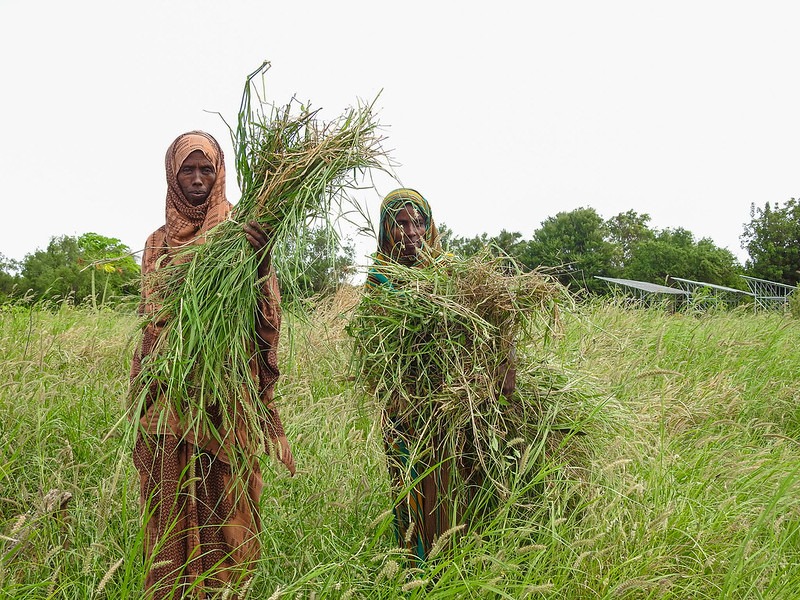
268, 325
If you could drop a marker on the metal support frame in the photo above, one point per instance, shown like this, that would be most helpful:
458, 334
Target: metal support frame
769, 295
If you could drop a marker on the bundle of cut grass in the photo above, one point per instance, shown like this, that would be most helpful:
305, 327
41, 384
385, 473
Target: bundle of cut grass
434, 347
292, 170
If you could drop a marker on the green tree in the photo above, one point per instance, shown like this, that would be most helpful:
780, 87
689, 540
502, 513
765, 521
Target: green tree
113, 270
8, 277
772, 241
510, 243
626, 231
90, 268
316, 263
506, 242
674, 252
460, 245
574, 246
55, 271
469, 246
446, 236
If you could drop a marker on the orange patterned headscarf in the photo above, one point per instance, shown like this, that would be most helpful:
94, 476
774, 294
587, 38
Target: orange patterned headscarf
186, 223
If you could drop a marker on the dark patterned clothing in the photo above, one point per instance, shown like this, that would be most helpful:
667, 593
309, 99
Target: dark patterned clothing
202, 525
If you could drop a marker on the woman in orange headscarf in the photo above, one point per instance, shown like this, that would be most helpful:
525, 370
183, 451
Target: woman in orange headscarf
201, 534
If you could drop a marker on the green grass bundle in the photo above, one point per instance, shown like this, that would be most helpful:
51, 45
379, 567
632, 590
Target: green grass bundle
433, 348
293, 170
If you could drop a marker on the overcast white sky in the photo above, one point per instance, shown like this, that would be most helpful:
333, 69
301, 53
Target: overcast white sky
501, 113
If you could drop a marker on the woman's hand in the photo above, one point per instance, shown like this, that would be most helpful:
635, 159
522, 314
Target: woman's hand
509, 381
259, 236
508, 368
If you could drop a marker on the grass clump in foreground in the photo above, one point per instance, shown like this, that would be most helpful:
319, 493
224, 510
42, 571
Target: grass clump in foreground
692, 491
292, 170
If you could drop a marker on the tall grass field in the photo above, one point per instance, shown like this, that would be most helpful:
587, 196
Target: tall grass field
689, 487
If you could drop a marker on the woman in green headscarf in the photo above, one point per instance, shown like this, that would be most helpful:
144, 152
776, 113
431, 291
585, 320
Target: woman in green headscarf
420, 465
407, 235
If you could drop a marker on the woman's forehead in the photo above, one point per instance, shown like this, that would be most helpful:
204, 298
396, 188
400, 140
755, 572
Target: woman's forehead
189, 143
410, 208
406, 206
198, 155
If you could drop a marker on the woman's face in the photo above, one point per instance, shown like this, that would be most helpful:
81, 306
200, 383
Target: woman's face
196, 177
408, 231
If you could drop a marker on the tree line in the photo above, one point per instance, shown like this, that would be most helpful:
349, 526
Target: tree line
574, 246
578, 245
89, 268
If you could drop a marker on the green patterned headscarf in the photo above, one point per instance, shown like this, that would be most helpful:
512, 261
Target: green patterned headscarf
391, 205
